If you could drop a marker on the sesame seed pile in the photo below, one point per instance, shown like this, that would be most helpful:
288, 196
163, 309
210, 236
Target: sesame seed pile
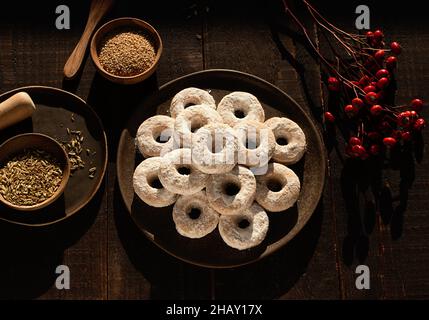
127, 53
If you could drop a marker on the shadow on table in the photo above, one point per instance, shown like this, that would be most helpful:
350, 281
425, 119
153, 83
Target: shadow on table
29, 256
367, 189
172, 279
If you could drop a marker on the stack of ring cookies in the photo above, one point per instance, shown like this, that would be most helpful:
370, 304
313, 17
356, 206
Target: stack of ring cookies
222, 166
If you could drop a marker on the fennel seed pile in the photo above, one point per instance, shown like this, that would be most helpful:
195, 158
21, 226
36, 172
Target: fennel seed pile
127, 53
74, 148
30, 177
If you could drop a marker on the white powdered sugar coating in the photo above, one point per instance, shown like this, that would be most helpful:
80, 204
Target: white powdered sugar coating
285, 180
244, 238
244, 104
146, 172
190, 96
194, 227
285, 128
176, 182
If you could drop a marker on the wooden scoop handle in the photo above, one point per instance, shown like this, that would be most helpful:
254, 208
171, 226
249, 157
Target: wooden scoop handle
15, 109
97, 10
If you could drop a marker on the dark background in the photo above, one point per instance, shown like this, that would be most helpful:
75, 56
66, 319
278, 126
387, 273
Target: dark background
108, 256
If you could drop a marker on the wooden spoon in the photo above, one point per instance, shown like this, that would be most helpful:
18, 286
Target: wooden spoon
97, 10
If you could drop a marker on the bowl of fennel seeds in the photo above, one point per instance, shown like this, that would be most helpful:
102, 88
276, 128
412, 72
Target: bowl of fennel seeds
126, 50
34, 171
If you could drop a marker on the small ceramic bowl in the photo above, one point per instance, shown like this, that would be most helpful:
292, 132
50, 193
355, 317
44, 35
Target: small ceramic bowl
20, 142
132, 23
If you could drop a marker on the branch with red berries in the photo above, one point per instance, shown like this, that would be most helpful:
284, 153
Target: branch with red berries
361, 77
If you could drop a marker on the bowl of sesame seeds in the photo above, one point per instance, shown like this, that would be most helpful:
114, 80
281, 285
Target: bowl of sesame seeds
34, 171
126, 50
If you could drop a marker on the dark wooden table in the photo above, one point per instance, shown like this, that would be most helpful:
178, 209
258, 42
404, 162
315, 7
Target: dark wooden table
108, 256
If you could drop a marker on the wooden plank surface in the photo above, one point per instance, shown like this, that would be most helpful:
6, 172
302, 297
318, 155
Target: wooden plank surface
108, 256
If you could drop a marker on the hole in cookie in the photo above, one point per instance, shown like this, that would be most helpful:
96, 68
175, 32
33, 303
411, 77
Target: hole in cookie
162, 134
184, 170
243, 223
155, 183
251, 144
162, 139
231, 188
189, 104
281, 141
196, 124
239, 114
274, 185
194, 213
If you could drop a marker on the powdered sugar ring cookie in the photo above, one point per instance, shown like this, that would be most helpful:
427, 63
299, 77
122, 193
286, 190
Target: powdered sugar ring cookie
193, 217
188, 97
256, 143
290, 140
148, 187
246, 229
190, 120
178, 175
214, 148
278, 189
232, 192
154, 136
238, 106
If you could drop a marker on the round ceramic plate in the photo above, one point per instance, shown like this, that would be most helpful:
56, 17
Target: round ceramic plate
210, 251
57, 110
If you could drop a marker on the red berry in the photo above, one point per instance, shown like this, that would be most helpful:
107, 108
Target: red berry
329, 117
357, 103
389, 141
374, 136
364, 81
371, 98
350, 110
419, 124
391, 62
378, 35
374, 149
379, 55
333, 84
417, 105
369, 36
354, 141
376, 110
380, 95
383, 83
382, 73
406, 136
369, 89
404, 119
395, 47
358, 150
413, 115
